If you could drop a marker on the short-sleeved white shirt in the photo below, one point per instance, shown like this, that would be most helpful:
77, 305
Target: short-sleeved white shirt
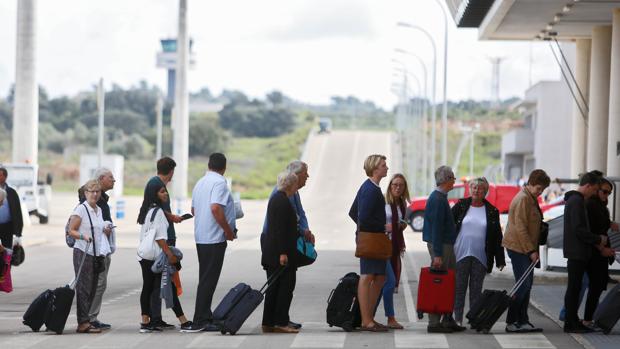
159, 222
211, 189
101, 240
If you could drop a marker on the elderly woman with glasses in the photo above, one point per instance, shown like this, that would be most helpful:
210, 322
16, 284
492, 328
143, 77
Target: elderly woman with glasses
478, 244
86, 224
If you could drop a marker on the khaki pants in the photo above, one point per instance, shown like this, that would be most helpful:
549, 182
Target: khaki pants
449, 262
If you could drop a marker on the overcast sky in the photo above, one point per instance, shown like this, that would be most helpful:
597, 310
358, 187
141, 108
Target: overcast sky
308, 49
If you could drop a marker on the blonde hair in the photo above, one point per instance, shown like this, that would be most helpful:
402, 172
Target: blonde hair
92, 184
372, 162
404, 199
286, 180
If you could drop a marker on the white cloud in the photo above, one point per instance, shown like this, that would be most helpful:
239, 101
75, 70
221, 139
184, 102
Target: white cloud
310, 50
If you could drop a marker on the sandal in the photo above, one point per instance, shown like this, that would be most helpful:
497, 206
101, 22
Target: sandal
395, 326
89, 329
374, 328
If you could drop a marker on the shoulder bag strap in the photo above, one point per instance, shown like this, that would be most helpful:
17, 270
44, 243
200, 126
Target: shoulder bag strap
92, 232
153, 214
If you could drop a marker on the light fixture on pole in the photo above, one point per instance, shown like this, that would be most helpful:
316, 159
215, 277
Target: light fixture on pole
433, 94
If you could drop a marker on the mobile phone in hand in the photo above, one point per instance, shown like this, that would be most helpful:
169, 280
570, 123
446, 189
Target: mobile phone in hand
187, 216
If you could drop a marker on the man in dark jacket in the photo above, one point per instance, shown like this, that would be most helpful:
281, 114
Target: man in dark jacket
578, 243
11, 221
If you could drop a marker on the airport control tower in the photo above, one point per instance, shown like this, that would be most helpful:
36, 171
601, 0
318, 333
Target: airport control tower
167, 59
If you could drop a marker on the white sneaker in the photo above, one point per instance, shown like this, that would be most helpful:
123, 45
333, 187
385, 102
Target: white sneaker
513, 328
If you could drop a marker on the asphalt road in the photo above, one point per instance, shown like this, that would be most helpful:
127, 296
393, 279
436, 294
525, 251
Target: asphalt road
335, 161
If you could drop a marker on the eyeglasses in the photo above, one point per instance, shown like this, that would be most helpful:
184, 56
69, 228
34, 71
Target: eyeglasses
606, 192
94, 191
398, 185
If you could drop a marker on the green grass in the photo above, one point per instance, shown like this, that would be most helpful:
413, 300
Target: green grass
253, 164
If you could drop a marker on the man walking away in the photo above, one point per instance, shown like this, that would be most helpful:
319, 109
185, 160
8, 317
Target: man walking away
106, 180
11, 221
214, 211
579, 240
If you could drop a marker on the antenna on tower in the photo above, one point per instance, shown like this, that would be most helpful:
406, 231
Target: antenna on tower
496, 62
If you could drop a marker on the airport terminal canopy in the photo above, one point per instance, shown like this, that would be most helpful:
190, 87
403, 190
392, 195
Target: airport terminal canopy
532, 19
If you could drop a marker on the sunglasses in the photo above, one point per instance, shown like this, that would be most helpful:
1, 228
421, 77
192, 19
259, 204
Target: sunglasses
606, 192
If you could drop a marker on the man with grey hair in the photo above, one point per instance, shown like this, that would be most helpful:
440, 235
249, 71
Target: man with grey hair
439, 233
300, 169
106, 179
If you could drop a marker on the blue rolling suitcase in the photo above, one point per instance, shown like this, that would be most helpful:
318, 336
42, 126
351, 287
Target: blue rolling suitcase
239, 303
607, 313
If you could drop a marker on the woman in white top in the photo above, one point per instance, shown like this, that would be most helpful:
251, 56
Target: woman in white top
87, 221
478, 243
152, 216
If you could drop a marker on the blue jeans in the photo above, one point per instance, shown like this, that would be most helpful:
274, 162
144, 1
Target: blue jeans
388, 290
517, 311
585, 283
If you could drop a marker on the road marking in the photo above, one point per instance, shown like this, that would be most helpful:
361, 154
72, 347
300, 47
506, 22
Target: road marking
420, 340
23, 341
409, 304
322, 340
216, 340
528, 340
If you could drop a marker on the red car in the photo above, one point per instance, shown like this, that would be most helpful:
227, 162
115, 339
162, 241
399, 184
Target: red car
499, 195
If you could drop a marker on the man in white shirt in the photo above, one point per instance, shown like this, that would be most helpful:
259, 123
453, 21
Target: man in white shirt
214, 211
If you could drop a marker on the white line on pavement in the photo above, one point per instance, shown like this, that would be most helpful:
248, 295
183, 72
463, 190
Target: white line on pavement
528, 340
420, 340
314, 340
411, 312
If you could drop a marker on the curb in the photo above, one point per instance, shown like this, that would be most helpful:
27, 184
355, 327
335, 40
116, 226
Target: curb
577, 337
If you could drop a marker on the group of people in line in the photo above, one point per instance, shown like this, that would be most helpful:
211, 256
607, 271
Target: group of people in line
466, 237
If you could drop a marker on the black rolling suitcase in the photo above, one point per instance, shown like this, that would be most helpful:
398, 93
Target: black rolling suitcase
607, 313
39, 310
342, 305
239, 303
52, 307
492, 304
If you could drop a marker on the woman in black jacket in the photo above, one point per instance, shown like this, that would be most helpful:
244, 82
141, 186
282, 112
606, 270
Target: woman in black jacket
279, 249
478, 244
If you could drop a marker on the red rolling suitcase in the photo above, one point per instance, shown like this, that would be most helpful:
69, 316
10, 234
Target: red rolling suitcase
436, 291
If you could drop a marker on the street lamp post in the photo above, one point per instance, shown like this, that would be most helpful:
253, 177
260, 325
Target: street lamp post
444, 107
433, 95
424, 114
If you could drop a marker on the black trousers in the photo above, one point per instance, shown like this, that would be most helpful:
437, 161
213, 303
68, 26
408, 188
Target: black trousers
156, 299
210, 262
597, 273
278, 297
6, 234
150, 283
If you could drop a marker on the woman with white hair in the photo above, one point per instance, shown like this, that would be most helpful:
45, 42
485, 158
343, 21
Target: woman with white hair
279, 246
478, 244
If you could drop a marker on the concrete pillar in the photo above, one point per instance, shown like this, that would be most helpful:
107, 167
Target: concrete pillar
580, 127
26, 103
181, 103
613, 149
599, 98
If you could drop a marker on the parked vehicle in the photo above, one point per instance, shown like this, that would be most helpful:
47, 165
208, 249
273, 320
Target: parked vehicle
35, 195
499, 195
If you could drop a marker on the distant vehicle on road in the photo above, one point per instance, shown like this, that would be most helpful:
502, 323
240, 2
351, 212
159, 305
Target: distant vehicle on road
499, 195
325, 125
34, 195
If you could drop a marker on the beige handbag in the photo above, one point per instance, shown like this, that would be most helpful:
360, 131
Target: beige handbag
373, 246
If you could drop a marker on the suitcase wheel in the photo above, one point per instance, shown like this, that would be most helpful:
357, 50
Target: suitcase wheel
233, 333
485, 331
347, 326
223, 332
420, 315
607, 331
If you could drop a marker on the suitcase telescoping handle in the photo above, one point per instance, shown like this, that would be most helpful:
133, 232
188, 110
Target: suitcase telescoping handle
271, 279
77, 276
521, 280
